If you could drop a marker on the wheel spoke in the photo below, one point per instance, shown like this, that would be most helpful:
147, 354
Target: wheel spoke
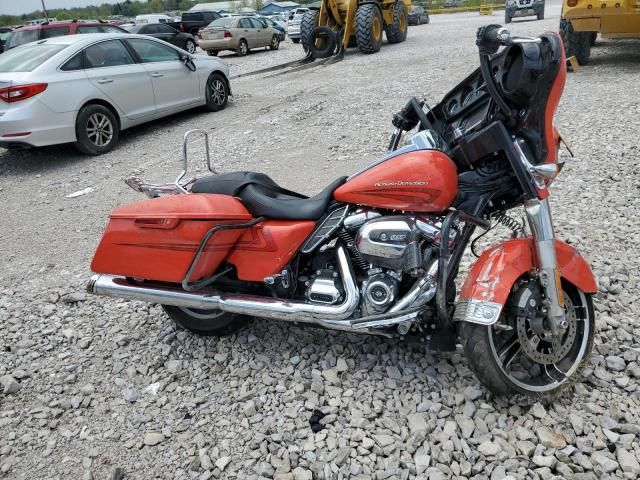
545, 369
509, 351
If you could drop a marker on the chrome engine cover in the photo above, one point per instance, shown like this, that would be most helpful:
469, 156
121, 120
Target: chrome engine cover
389, 242
324, 288
379, 291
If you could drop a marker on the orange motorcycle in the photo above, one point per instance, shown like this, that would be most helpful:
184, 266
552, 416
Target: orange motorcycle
379, 252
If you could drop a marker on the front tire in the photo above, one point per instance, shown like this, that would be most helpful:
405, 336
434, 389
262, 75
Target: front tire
576, 44
397, 31
217, 92
369, 28
205, 322
190, 46
243, 48
275, 43
97, 130
517, 355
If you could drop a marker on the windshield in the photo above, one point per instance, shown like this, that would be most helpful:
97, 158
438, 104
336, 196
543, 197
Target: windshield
223, 22
28, 57
22, 37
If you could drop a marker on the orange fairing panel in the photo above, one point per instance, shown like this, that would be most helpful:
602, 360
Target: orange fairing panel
268, 247
156, 239
494, 273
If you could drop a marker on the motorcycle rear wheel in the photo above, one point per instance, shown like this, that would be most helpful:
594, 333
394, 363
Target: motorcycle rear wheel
205, 322
504, 363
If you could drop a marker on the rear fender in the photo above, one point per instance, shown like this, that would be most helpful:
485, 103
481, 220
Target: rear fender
491, 278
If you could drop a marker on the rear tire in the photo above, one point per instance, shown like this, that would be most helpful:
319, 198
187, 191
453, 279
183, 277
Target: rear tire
97, 130
541, 15
576, 44
217, 92
594, 37
212, 53
428, 19
307, 24
496, 355
190, 46
206, 322
369, 28
243, 48
295, 40
507, 18
397, 31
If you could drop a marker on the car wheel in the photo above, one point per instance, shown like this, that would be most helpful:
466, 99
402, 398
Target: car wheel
190, 46
217, 92
295, 40
275, 43
428, 20
212, 53
97, 130
243, 48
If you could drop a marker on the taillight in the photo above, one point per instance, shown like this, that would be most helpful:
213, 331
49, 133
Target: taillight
181, 27
227, 34
21, 92
199, 36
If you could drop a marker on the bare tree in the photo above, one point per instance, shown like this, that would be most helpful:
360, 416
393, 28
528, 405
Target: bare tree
258, 4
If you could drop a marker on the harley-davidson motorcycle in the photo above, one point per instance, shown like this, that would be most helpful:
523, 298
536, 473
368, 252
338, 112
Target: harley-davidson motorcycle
379, 252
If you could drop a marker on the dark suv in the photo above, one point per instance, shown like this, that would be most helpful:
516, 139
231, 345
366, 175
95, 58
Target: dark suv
31, 33
192, 22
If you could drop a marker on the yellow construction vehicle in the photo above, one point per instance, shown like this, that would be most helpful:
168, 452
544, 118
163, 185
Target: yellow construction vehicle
339, 24
582, 20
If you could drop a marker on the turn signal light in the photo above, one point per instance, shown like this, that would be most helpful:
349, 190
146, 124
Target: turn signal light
572, 3
227, 34
21, 92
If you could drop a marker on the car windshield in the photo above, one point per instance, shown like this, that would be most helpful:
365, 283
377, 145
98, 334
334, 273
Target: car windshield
22, 37
4, 35
28, 57
223, 22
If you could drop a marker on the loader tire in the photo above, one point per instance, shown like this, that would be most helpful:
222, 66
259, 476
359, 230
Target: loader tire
576, 44
369, 28
307, 24
593, 37
327, 40
397, 31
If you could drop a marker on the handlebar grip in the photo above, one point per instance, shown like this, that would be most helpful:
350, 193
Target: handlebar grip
490, 37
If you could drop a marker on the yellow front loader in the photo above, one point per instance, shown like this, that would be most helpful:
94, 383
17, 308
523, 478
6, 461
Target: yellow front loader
583, 20
340, 24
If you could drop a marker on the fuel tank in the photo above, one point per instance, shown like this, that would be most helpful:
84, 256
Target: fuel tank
416, 181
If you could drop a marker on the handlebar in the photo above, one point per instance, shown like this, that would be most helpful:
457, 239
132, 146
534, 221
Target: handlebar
491, 37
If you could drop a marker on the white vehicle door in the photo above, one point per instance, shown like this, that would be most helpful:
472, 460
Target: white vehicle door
112, 70
174, 85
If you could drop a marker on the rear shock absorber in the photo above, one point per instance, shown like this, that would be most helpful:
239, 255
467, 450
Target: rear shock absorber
347, 238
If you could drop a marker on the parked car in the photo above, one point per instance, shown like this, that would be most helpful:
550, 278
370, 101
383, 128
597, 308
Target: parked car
192, 22
523, 8
267, 22
417, 15
239, 34
185, 41
31, 33
293, 24
85, 89
4, 34
153, 18
277, 19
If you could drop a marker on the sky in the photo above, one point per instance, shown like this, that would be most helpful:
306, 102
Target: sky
18, 7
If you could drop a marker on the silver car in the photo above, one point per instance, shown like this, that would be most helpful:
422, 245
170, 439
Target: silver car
87, 88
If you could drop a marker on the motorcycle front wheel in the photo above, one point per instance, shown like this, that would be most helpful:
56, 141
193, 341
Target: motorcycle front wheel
519, 354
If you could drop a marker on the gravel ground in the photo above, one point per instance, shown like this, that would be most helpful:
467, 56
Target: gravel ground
91, 384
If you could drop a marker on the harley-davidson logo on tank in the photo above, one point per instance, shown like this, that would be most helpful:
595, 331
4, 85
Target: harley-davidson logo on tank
419, 181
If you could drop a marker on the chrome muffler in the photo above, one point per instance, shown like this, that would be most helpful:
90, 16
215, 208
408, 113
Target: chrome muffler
329, 316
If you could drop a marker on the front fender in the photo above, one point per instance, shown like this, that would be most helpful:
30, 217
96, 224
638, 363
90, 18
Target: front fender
491, 278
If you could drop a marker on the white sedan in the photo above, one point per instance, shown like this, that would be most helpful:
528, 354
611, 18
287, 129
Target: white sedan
87, 88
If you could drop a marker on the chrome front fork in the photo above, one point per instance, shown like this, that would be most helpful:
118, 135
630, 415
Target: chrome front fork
541, 224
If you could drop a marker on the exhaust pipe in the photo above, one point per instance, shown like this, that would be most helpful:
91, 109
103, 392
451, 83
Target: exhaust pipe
329, 316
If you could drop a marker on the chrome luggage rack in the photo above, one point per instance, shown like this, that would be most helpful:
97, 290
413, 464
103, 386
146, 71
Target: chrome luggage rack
180, 185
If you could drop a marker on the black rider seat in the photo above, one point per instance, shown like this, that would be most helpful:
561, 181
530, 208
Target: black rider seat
265, 198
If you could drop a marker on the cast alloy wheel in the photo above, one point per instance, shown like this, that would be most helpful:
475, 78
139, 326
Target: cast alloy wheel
99, 129
217, 92
190, 46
